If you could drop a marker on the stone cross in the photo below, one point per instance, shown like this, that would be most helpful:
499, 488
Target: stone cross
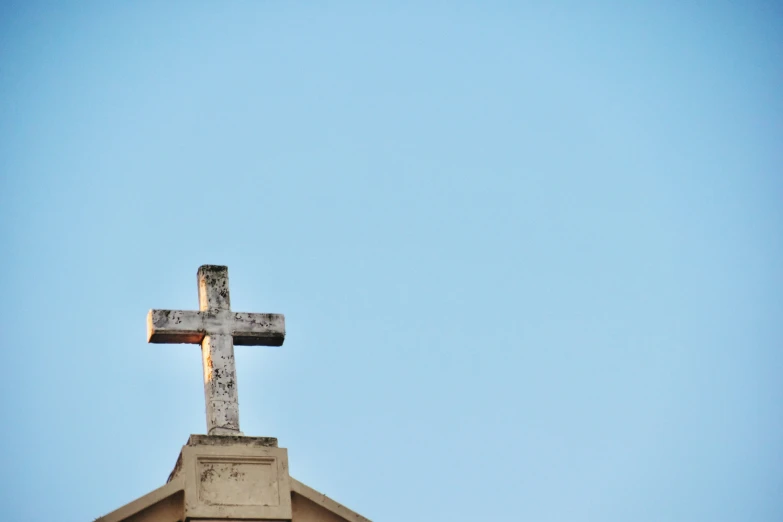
217, 329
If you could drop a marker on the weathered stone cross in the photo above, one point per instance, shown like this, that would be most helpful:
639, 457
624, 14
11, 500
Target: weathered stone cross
217, 329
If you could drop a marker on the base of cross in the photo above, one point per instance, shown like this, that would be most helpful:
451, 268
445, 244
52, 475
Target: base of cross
233, 478
225, 432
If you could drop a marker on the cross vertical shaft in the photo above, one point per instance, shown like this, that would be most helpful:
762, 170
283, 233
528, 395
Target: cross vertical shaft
217, 355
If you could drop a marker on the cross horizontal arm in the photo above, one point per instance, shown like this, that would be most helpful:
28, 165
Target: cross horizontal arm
183, 326
258, 329
175, 326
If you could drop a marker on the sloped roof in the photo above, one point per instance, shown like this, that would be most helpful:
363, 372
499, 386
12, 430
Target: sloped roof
166, 504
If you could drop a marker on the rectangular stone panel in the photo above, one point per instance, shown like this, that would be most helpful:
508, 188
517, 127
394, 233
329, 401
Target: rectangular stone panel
248, 481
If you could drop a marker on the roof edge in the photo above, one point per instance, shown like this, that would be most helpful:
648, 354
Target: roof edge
326, 502
141, 503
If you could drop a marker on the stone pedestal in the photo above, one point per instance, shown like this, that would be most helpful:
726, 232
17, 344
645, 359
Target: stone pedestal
232, 478
239, 478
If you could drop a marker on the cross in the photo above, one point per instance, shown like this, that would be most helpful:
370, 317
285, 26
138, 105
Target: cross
217, 329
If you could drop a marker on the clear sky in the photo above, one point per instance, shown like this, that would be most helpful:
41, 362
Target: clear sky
529, 256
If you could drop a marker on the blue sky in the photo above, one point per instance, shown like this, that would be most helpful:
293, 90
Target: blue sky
529, 255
